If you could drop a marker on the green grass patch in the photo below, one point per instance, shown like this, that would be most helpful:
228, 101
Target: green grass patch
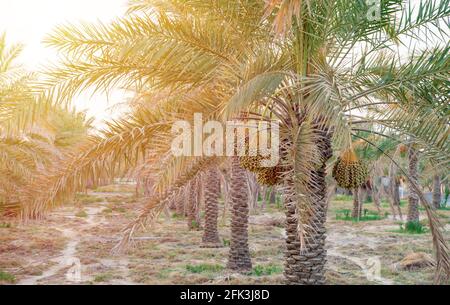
107, 211
412, 227
226, 242
81, 214
177, 216
441, 208
202, 268
120, 209
5, 225
343, 198
261, 270
7, 277
116, 188
195, 224
86, 199
385, 203
345, 214
101, 278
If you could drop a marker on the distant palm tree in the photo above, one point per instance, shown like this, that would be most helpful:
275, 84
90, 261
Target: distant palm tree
33, 135
324, 63
239, 257
437, 195
413, 198
212, 194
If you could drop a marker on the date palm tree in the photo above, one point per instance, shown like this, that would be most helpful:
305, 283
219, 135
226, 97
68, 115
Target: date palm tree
33, 135
328, 64
437, 195
413, 198
193, 208
357, 205
322, 36
239, 258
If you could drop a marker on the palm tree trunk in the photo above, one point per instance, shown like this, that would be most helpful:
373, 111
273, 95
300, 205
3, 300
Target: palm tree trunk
264, 191
239, 258
413, 199
437, 197
212, 192
193, 216
396, 195
179, 203
376, 198
307, 266
356, 212
273, 195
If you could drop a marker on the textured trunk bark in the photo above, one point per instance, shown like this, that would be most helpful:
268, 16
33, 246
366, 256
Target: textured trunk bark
179, 203
376, 197
413, 199
437, 196
172, 205
307, 266
273, 196
397, 197
239, 258
357, 206
253, 190
394, 194
193, 216
212, 192
264, 191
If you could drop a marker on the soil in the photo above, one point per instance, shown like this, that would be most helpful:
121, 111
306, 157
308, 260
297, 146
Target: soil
73, 245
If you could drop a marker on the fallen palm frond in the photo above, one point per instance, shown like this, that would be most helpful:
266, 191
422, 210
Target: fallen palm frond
158, 202
98, 158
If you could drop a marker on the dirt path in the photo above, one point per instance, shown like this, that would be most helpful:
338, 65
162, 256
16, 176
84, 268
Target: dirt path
67, 257
68, 260
73, 246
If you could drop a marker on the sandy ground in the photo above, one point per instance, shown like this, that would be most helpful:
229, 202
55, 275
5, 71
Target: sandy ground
72, 246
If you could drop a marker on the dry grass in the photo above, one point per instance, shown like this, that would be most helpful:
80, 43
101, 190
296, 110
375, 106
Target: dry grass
170, 254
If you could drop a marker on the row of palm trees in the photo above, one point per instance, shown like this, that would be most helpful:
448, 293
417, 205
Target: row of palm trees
321, 68
34, 135
423, 171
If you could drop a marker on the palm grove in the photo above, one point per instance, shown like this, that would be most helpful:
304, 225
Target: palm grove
331, 74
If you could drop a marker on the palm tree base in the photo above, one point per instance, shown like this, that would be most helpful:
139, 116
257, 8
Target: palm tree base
239, 258
304, 267
211, 245
242, 264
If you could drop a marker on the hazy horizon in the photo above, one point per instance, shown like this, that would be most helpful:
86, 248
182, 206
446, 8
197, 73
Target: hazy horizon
40, 17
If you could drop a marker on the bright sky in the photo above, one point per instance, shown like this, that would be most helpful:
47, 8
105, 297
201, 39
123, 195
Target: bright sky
28, 21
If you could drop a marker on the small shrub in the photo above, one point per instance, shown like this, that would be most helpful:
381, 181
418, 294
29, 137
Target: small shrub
367, 215
5, 225
103, 278
81, 214
266, 270
7, 277
195, 224
203, 268
177, 216
413, 227
343, 198
107, 211
86, 199
226, 242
